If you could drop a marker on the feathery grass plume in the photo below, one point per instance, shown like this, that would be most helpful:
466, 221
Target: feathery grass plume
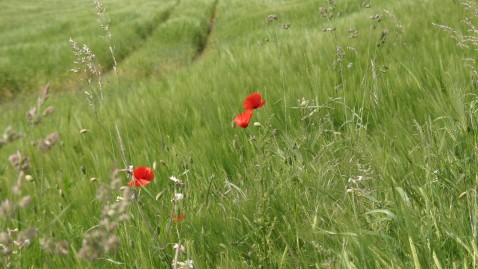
13, 241
102, 18
9, 135
330, 13
34, 115
466, 41
6, 243
48, 111
24, 237
25, 201
104, 21
102, 239
7, 209
56, 247
89, 70
21, 165
19, 162
47, 143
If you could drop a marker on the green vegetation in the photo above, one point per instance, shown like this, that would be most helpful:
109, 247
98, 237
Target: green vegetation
365, 158
34, 48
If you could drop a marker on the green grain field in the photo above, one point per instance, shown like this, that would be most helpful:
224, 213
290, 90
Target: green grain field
363, 156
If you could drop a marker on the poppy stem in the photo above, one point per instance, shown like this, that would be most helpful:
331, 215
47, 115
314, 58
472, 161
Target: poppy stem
209, 189
122, 147
151, 230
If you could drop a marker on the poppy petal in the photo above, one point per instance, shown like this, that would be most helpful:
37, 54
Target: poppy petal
178, 217
138, 183
253, 101
242, 120
143, 172
142, 182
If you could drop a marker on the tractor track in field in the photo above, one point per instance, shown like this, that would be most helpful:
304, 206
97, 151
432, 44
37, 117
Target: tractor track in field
162, 19
205, 39
159, 20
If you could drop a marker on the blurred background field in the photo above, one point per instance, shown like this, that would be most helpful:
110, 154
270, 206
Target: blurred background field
35, 48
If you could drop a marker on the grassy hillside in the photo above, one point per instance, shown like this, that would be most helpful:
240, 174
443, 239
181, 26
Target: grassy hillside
364, 155
34, 48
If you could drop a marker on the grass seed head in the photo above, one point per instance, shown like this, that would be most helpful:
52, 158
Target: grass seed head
7, 209
56, 247
48, 111
272, 17
47, 143
25, 201
19, 162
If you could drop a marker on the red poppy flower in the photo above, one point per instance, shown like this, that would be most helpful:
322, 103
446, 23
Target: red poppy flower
178, 217
242, 120
254, 101
142, 176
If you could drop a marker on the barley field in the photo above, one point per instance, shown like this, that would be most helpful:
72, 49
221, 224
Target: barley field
238, 134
